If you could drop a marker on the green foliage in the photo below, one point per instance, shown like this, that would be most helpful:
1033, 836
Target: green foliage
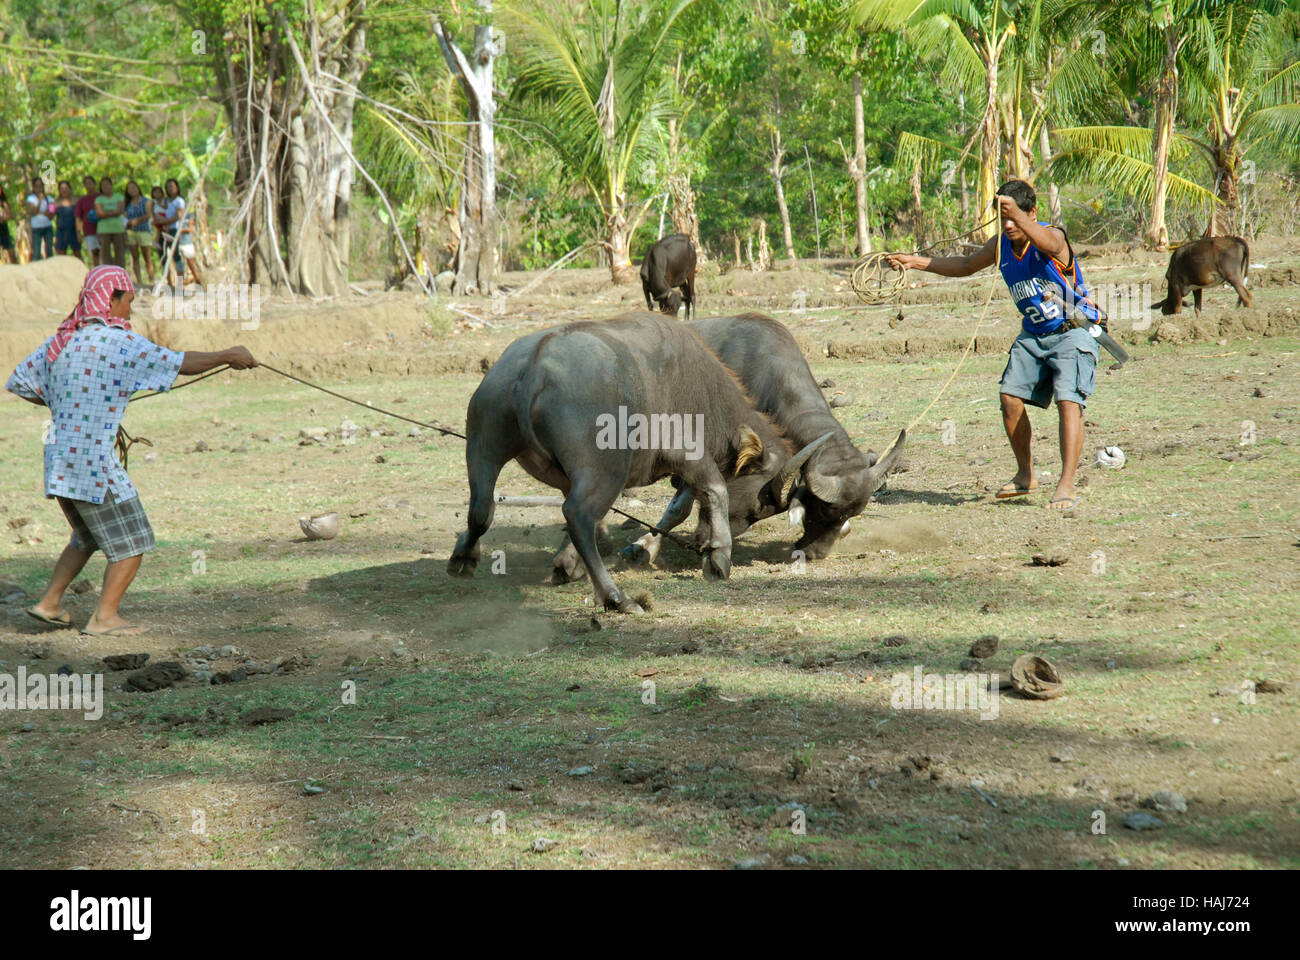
700, 87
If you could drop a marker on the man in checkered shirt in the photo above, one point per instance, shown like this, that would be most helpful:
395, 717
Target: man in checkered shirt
85, 374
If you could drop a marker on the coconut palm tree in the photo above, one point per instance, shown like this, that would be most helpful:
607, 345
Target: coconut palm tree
1226, 60
972, 36
595, 76
1242, 82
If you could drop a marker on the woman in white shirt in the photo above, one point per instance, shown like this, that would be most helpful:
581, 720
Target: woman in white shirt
40, 209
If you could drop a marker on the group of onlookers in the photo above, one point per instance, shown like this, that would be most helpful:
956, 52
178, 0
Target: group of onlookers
107, 223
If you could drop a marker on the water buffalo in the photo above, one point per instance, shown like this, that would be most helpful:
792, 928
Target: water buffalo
669, 263
839, 480
595, 408
1193, 266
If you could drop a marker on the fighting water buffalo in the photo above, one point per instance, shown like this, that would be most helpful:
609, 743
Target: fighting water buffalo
670, 264
1193, 266
595, 408
839, 480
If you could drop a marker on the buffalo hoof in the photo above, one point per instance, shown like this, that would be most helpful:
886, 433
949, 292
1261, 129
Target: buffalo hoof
462, 566
636, 555
623, 604
562, 573
717, 565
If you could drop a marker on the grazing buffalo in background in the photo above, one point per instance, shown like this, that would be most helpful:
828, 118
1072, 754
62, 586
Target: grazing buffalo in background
839, 480
550, 402
1193, 266
670, 264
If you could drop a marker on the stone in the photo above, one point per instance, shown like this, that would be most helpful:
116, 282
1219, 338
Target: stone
751, 863
1166, 800
1143, 821
582, 771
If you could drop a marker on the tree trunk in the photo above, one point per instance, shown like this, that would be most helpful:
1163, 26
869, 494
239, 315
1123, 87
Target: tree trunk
858, 169
476, 254
293, 135
1226, 221
916, 203
617, 243
990, 146
764, 251
1166, 106
777, 172
680, 194
1053, 191
682, 211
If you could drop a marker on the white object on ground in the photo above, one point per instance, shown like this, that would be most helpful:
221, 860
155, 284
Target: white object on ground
1112, 457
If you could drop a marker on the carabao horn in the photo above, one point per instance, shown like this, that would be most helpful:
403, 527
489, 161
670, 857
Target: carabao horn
829, 487
783, 485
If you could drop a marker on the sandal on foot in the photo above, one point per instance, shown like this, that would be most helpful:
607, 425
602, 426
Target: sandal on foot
1015, 491
52, 621
123, 631
1072, 501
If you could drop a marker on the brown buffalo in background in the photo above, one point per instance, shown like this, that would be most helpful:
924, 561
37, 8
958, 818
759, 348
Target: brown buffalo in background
1194, 265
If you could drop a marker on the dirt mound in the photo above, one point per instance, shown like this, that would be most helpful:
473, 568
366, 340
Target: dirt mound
34, 297
47, 285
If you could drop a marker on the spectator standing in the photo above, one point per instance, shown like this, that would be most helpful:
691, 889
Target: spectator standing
178, 222
65, 222
85, 208
110, 208
6, 236
40, 209
139, 230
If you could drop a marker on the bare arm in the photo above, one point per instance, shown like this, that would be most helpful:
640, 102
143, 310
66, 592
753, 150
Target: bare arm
201, 361
1049, 240
985, 256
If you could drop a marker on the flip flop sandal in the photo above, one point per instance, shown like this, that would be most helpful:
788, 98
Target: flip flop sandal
117, 631
52, 621
1072, 501
1004, 494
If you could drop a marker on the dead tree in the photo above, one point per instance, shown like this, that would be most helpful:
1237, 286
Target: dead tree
476, 254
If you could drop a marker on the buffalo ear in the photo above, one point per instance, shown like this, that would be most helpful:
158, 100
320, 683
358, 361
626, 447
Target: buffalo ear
751, 448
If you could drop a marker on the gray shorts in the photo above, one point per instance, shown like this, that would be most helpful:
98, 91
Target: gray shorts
1060, 365
118, 527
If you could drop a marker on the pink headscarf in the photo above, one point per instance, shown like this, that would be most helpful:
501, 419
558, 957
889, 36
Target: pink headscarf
93, 304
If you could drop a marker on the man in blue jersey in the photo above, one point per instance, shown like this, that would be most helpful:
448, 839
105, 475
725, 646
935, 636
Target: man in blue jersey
1051, 358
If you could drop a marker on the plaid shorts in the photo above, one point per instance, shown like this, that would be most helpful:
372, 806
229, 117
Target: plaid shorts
118, 527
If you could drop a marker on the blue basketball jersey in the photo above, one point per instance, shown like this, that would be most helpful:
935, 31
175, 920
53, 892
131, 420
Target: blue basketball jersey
1031, 274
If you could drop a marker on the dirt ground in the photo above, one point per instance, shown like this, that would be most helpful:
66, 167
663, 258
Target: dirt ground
496, 722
